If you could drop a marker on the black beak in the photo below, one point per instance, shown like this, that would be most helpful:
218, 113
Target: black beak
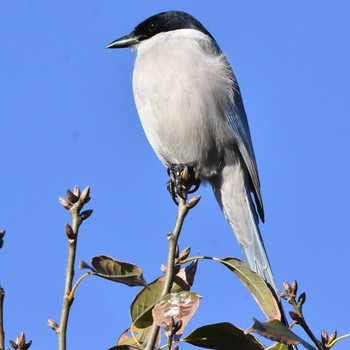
125, 41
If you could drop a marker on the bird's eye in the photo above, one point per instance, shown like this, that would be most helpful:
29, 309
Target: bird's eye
152, 26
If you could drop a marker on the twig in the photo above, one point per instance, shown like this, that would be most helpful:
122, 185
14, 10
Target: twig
308, 331
298, 316
183, 209
2, 333
74, 204
172, 243
67, 303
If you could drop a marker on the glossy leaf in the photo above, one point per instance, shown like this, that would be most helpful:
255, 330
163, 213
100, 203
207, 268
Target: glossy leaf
277, 331
256, 286
117, 271
223, 336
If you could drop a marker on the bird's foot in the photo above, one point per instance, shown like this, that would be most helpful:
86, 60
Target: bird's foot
184, 179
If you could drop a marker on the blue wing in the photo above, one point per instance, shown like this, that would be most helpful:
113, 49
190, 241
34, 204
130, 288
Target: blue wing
238, 121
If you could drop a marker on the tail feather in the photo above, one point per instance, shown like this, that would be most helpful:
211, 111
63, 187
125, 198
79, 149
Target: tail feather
234, 196
255, 253
232, 193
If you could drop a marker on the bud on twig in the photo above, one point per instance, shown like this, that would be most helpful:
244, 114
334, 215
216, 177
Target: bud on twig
76, 191
65, 203
21, 343
85, 195
294, 287
184, 254
332, 337
13, 344
282, 295
71, 196
287, 288
86, 214
171, 327
52, 324
193, 202
69, 231
324, 337
302, 299
295, 316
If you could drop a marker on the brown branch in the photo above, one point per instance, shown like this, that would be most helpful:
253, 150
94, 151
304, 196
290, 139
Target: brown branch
298, 316
74, 204
183, 209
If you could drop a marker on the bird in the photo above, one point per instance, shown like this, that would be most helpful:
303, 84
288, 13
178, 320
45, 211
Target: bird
191, 109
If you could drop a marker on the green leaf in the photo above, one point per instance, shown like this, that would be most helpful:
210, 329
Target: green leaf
223, 336
117, 271
141, 307
256, 286
277, 331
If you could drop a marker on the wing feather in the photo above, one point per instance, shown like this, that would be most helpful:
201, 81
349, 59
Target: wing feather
238, 121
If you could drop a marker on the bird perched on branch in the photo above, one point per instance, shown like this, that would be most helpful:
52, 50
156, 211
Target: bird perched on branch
192, 112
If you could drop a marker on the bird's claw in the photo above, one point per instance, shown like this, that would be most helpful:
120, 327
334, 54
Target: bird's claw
184, 179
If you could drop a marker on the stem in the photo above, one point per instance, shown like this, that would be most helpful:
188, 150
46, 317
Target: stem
172, 242
67, 303
337, 339
302, 322
2, 333
308, 331
173, 237
70, 297
196, 258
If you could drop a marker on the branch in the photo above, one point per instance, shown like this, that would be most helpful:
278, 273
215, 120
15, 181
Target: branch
298, 316
74, 204
183, 209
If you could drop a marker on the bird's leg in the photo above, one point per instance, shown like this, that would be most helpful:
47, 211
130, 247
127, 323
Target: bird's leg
184, 179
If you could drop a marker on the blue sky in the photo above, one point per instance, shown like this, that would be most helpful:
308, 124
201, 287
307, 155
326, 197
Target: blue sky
67, 117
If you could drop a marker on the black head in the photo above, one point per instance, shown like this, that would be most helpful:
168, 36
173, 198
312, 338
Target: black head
160, 23
168, 21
